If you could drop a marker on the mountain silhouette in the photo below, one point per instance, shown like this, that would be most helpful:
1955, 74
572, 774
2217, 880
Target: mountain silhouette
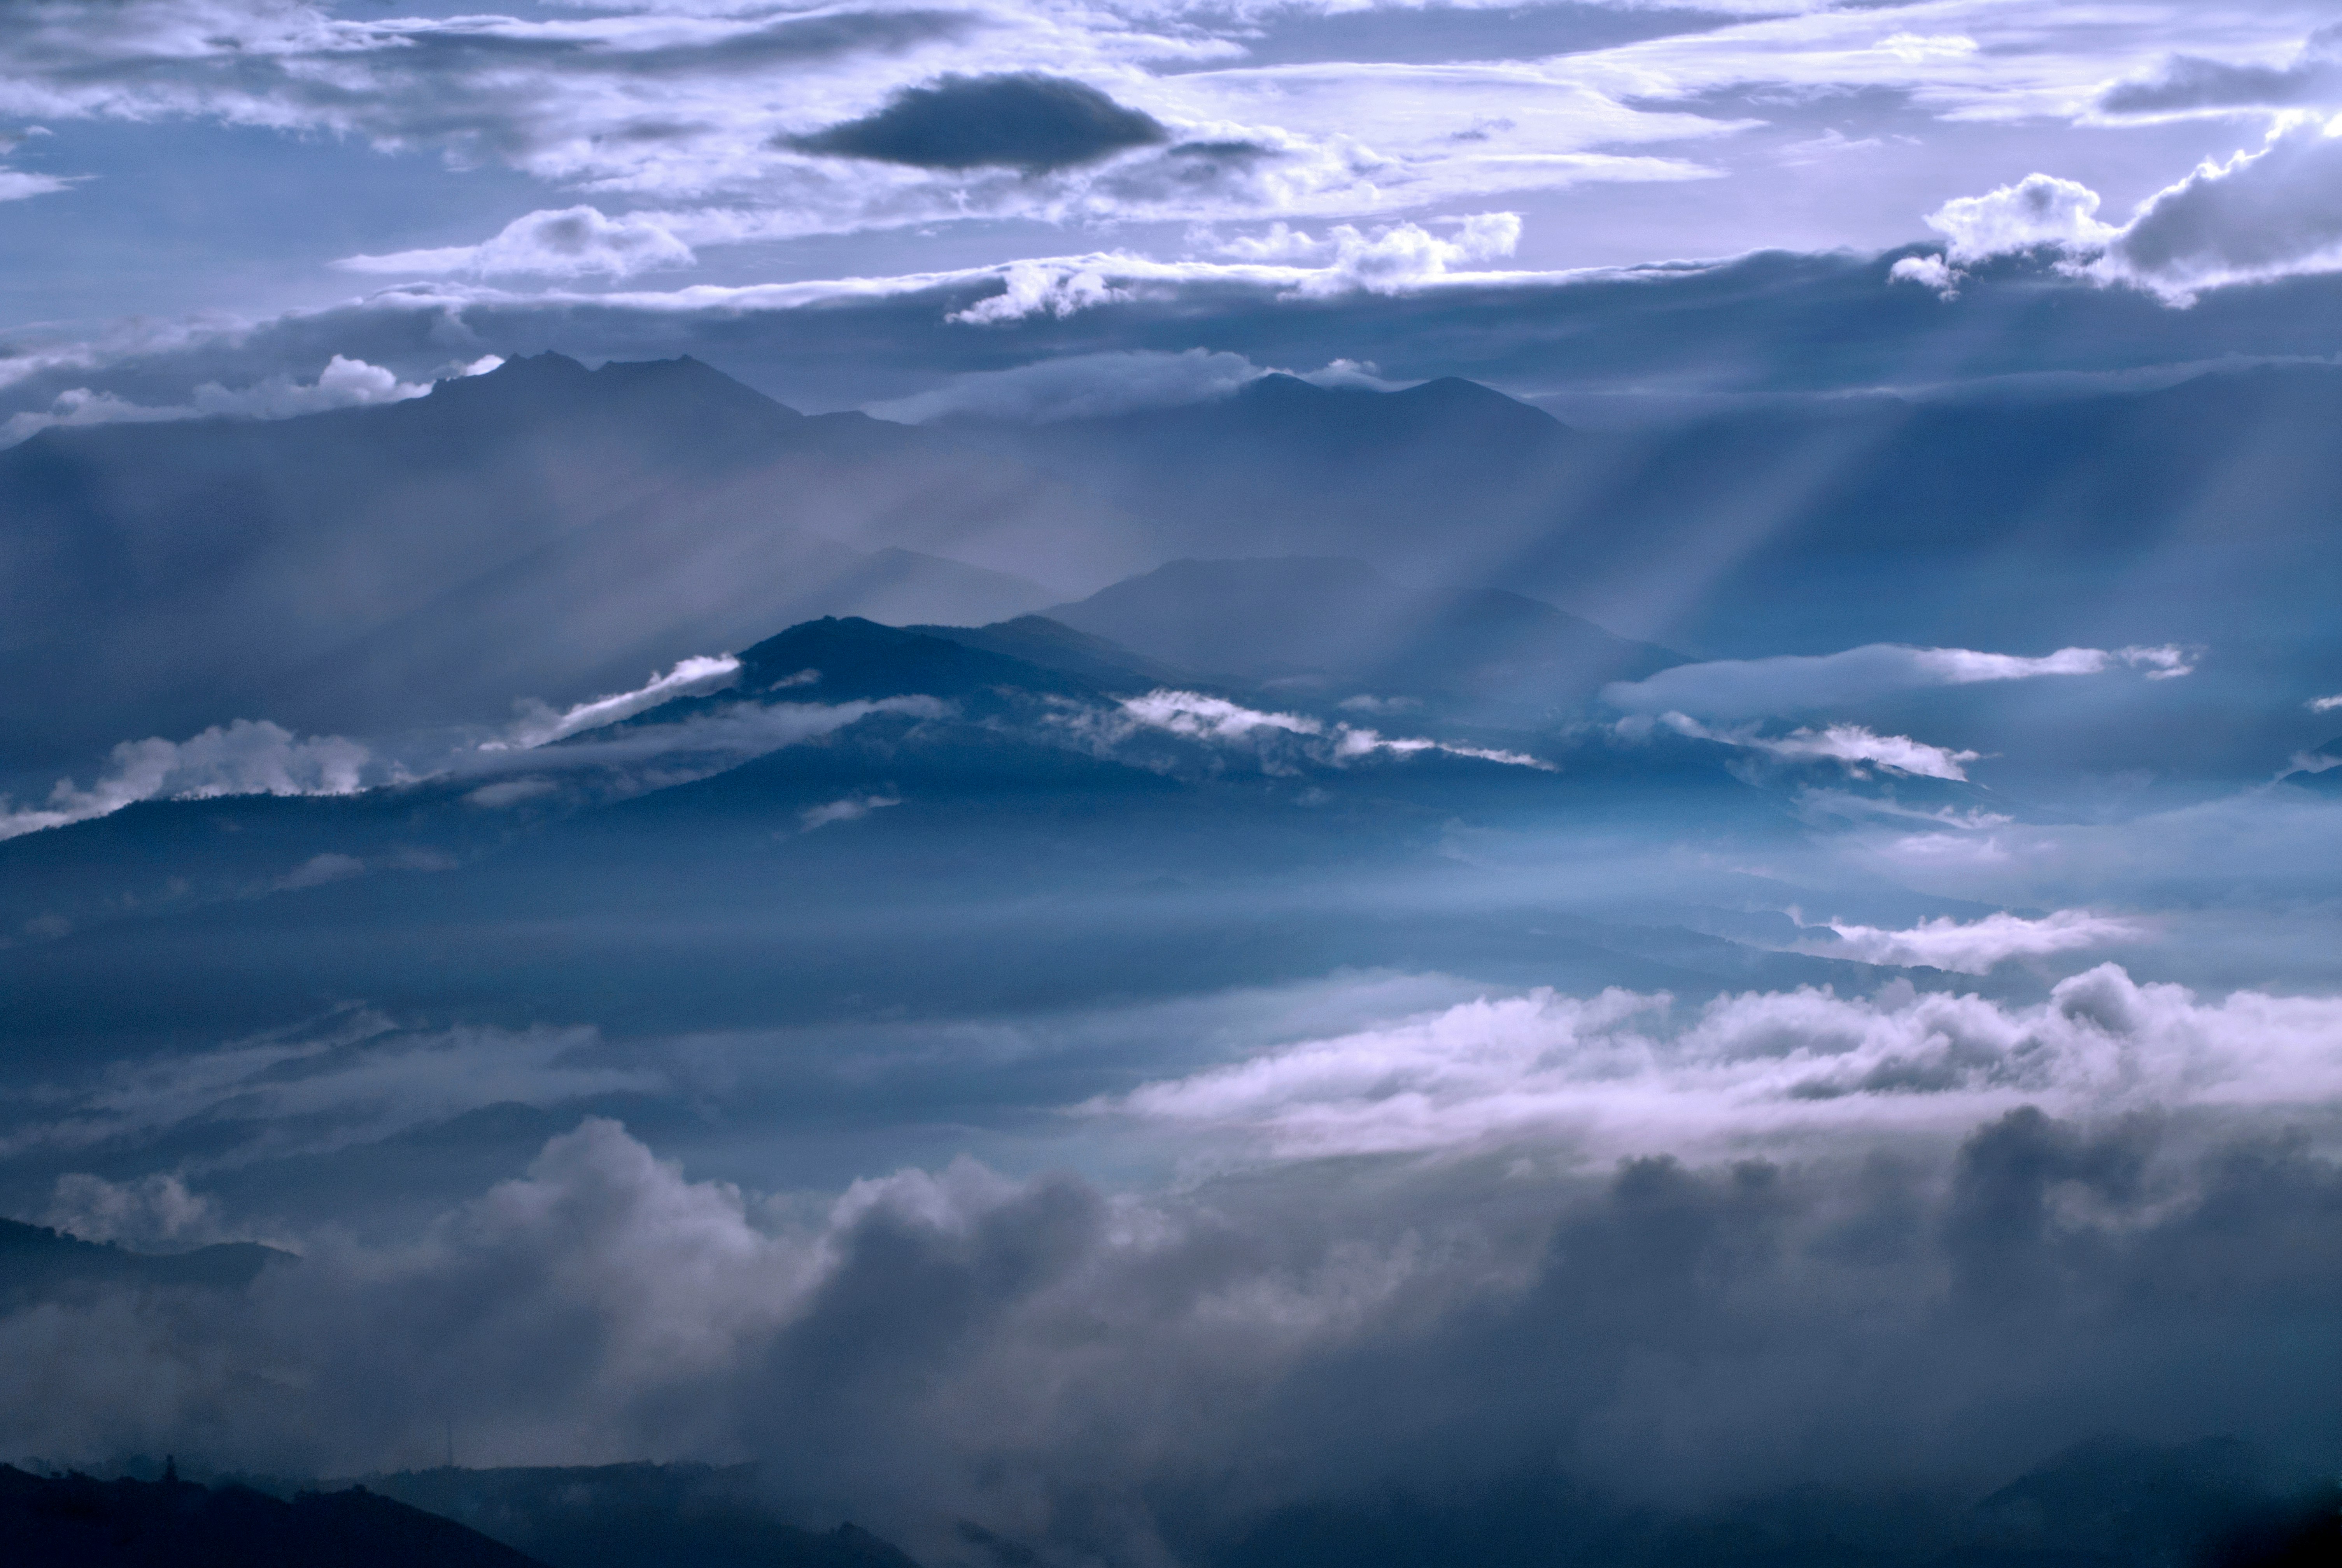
633, 1516
76, 1521
37, 1263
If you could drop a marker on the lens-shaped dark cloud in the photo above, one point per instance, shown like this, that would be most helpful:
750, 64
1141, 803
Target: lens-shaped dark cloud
1024, 121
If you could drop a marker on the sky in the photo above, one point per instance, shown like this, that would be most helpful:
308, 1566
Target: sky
1848, 998
186, 177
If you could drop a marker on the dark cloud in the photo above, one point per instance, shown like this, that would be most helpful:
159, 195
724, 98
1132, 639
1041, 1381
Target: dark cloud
1024, 121
1110, 1375
2191, 82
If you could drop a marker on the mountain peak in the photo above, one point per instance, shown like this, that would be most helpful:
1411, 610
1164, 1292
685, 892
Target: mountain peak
554, 384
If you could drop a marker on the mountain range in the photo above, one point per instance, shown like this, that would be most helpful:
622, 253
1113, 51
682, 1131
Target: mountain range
545, 531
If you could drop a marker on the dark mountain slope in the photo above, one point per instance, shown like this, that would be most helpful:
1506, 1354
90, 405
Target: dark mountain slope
542, 530
635, 1515
75, 1521
39, 1263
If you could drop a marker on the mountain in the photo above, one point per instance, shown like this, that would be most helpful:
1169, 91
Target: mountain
550, 532
38, 1263
75, 1521
634, 1516
542, 530
1346, 628
1053, 645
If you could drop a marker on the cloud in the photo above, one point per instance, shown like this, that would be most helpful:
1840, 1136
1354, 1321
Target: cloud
153, 1212
2265, 214
853, 808
1979, 946
245, 757
2038, 210
345, 382
1103, 1377
1607, 1073
16, 186
2325, 705
694, 677
574, 242
1854, 746
1752, 688
1201, 718
1405, 256
1024, 121
2191, 83
1194, 715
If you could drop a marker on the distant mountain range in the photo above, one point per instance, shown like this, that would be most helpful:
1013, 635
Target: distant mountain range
551, 532
75, 1521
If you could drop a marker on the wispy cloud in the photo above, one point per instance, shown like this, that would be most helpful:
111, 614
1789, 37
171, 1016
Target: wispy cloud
1979, 946
1756, 688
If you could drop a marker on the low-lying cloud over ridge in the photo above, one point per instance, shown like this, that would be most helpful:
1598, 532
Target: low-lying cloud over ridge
1758, 688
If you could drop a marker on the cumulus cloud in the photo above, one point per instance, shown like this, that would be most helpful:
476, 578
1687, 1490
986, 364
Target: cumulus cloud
1979, 946
1607, 1073
1752, 688
1023, 120
1399, 256
573, 242
2325, 705
246, 757
2262, 215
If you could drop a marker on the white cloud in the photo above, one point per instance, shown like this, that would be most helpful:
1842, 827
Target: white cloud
2270, 213
1196, 716
1030, 288
1612, 1073
2038, 210
16, 186
573, 242
853, 808
1927, 272
344, 382
1752, 688
539, 725
1979, 946
245, 757
1400, 257
2325, 705
1854, 746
